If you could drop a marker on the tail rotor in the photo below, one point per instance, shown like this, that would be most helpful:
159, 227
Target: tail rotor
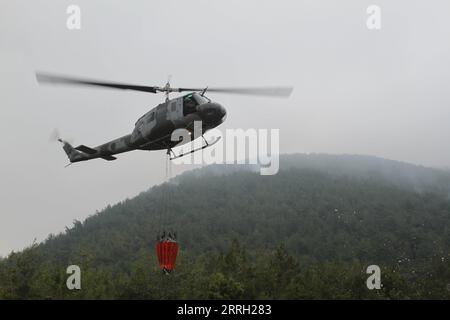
71, 153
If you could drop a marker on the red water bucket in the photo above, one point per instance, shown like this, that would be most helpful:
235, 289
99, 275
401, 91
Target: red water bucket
167, 251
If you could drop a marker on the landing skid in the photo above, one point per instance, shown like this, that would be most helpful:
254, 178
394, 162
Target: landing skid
173, 156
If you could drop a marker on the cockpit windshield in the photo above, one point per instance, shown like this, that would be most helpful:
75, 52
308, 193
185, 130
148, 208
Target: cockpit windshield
191, 101
189, 104
200, 99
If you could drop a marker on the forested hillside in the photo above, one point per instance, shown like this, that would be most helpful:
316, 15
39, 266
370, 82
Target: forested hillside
308, 232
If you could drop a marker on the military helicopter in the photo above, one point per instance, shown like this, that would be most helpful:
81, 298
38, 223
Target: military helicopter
153, 131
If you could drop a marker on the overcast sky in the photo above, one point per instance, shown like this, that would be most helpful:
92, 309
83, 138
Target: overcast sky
359, 91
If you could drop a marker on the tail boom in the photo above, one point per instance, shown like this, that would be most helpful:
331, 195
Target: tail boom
105, 151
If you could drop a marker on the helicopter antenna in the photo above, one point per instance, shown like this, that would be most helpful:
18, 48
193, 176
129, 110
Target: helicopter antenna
167, 87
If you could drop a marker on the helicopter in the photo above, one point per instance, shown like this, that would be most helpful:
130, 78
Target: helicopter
153, 130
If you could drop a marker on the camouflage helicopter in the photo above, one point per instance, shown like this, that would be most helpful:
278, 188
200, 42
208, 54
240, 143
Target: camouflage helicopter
153, 131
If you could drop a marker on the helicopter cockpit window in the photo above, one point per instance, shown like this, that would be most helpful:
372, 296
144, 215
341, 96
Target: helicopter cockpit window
189, 104
200, 99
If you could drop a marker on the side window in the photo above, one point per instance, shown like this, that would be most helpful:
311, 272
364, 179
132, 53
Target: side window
151, 118
189, 104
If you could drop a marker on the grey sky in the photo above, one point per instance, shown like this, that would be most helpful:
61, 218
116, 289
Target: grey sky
357, 91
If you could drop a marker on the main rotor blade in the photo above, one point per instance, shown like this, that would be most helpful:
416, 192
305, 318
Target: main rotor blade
281, 92
49, 78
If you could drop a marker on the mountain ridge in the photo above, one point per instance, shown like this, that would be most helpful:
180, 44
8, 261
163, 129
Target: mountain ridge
323, 210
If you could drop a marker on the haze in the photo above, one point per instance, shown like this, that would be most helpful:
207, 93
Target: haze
357, 91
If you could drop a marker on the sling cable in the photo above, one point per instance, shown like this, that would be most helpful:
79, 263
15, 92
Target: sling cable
166, 242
